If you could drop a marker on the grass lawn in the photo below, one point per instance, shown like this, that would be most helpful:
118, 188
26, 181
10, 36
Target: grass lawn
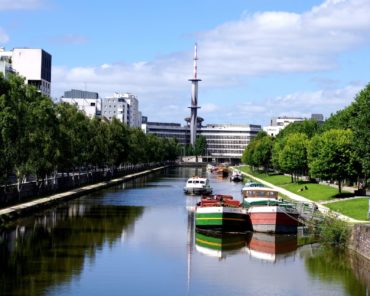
355, 208
314, 191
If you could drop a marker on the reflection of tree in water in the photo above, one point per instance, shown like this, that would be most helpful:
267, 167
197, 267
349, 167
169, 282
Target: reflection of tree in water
332, 265
35, 257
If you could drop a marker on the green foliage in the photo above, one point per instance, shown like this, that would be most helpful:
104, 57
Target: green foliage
258, 152
309, 127
333, 231
360, 123
40, 138
293, 156
331, 155
200, 145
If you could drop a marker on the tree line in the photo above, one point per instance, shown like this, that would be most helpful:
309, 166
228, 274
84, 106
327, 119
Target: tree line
40, 138
337, 150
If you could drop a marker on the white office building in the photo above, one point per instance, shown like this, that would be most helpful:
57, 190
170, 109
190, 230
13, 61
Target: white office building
228, 140
279, 123
225, 142
86, 101
124, 107
34, 64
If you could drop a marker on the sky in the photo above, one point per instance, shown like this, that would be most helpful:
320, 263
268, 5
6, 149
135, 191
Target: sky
257, 59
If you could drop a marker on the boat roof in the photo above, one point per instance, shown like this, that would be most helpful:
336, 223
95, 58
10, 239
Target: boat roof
197, 178
255, 188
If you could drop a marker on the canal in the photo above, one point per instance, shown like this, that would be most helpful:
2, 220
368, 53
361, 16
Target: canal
139, 239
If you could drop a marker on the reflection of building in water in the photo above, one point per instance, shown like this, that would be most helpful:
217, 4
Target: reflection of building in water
271, 247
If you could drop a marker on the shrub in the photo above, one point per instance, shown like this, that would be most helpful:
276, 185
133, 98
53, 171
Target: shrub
333, 231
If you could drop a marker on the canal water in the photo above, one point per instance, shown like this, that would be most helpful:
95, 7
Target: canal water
139, 239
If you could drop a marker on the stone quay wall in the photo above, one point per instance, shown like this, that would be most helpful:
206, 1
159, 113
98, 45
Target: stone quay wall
360, 240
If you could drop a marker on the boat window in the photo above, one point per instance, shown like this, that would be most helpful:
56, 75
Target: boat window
201, 182
197, 182
190, 181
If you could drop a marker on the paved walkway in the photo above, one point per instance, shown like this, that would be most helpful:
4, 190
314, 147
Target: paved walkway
323, 209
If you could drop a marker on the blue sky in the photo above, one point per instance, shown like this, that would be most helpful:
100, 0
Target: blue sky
257, 59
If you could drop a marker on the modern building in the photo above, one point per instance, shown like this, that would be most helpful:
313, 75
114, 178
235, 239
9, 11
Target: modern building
34, 64
228, 141
86, 101
124, 107
225, 142
5, 64
279, 123
167, 130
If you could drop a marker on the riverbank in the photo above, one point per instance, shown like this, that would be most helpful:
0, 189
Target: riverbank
23, 209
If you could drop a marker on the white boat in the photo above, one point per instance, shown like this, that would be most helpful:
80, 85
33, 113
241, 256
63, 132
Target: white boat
236, 176
197, 185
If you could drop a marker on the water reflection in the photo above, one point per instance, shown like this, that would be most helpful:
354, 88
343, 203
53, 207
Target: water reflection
339, 267
270, 247
54, 247
220, 245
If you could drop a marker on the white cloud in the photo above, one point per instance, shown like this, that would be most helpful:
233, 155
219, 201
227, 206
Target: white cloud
20, 4
257, 44
286, 42
299, 104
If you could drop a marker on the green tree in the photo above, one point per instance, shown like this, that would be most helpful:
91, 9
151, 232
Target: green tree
309, 127
6, 160
293, 157
14, 111
118, 143
262, 152
73, 138
98, 143
331, 156
43, 150
200, 146
360, 122
137, 146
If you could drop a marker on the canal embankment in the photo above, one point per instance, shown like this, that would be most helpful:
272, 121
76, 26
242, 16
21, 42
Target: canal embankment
23, 209
360, 240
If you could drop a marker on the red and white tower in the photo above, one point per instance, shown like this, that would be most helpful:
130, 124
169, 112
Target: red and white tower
194, 100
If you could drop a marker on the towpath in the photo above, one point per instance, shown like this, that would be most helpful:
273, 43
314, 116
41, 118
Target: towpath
322, 208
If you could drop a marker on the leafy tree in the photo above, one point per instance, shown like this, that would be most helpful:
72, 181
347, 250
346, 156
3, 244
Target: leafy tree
262, 152
293, 157
118, 143
200, 146
331, 156
14, 108
360, 123
309, 127
98, 144
73, 138
43, 150
137, 146
6, 160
